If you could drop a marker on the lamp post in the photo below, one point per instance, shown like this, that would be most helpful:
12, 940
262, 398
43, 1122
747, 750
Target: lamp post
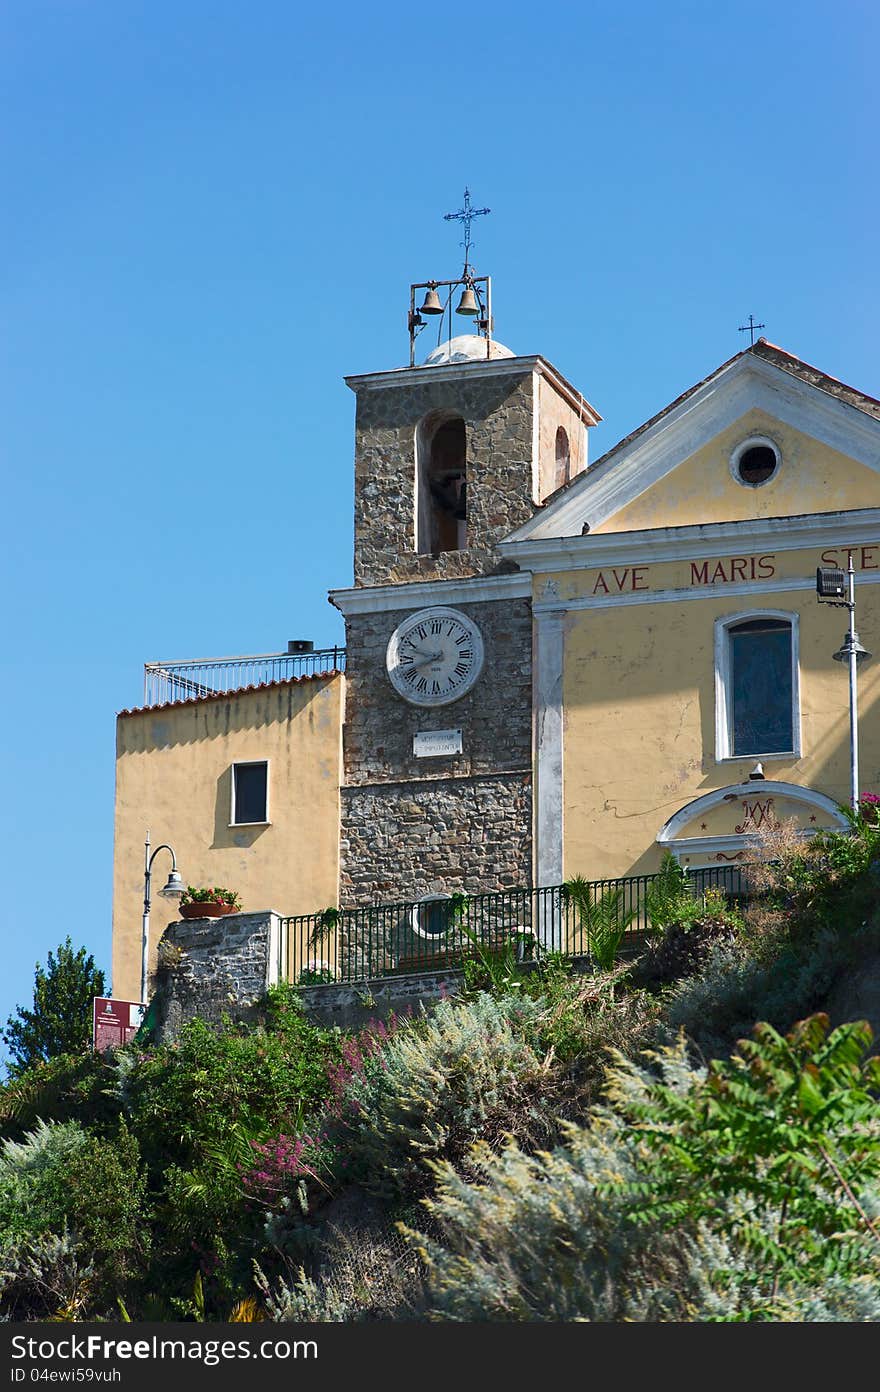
831, 587
173, 889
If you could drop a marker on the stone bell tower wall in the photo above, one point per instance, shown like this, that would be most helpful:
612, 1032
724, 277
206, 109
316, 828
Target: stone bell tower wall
496, 401
414, 826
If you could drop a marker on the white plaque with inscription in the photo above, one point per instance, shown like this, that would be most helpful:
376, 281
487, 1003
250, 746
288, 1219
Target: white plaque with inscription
435, 744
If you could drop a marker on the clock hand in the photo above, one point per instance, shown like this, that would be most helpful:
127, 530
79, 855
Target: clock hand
431, 657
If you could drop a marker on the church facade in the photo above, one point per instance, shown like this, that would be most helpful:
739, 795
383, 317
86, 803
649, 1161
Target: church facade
552, 667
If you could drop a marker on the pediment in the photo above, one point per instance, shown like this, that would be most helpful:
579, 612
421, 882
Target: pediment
676, 470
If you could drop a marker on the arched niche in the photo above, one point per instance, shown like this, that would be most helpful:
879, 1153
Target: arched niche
724, 826
441, 484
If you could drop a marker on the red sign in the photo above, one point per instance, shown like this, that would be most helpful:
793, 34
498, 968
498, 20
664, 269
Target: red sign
114, 1021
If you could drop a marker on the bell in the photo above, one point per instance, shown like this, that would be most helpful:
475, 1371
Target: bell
468, 303
432, 303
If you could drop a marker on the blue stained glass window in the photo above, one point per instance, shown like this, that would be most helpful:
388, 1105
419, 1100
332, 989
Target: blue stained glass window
761, 687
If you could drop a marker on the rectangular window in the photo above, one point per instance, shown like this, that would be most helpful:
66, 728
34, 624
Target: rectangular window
250, 793
756, 676
760, 664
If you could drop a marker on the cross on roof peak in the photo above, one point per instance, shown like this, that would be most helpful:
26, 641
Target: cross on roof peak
466, 216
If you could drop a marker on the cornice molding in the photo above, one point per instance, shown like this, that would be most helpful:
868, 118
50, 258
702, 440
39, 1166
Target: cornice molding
533, 364
477, 589
694, 542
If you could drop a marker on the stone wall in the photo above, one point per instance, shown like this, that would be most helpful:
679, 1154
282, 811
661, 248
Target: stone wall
212, 967
412, 826
495, 716
498, 413
406, 840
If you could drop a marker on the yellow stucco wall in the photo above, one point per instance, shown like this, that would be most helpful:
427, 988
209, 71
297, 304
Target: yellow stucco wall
173, 776
701, 489
639, 722
554, 411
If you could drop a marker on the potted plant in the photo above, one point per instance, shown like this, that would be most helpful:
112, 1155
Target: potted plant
208, 903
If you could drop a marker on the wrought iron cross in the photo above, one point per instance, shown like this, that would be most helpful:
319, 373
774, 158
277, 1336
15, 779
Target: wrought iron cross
749, 328
466, 216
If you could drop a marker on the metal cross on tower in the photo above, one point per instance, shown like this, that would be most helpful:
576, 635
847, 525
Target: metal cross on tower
466, 216
750, 327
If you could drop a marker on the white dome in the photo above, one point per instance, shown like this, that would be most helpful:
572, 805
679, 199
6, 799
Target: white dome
466, 348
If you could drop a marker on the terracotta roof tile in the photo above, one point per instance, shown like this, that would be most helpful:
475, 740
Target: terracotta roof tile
238, 691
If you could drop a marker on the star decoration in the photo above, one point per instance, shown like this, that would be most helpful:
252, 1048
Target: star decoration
703, 826
812, 819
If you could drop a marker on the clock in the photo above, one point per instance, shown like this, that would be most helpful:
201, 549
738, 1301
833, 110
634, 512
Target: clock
435, 656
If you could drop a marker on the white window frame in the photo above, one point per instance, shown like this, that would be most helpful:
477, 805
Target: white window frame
724, 705
244, 763
415, 920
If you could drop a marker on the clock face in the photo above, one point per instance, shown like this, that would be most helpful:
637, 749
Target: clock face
434, 656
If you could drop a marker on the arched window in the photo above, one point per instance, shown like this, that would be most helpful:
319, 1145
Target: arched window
563, 458
441, 484
756, 673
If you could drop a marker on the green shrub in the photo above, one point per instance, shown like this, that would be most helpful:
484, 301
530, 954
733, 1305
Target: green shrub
777, 1150
828, 882
735, 1194
69, 1087
668, 896
582, 1016
214, 1084
31, 1187
602, 919
441, 1079
44, 1278
62, 1181
734, 989
537, 1238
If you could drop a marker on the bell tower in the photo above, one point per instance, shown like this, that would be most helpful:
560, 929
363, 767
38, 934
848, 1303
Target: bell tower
451, 455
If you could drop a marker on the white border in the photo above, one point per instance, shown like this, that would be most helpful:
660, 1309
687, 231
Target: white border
471, 589
667, 834
414, 917
438, 611
549, 636
723, 738
753, 442
241, 763
697, 541
780, 585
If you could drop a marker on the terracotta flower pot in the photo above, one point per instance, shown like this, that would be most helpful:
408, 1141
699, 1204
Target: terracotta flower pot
206, 910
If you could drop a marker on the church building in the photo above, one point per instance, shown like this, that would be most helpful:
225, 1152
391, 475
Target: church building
553, 667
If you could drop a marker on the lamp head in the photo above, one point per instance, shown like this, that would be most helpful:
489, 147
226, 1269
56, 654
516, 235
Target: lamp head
174, 887
849, 645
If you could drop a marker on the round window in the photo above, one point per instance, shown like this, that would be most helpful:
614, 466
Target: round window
754, 462
432, 916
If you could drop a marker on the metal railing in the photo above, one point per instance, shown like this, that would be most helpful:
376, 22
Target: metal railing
166, 682
431, 934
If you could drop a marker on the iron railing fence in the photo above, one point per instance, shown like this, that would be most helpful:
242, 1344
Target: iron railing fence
169, 682
431, 934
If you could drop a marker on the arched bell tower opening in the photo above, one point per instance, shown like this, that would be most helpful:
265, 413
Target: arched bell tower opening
563, 458
441, 484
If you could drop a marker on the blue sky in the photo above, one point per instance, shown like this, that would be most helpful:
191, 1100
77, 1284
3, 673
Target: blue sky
213, 210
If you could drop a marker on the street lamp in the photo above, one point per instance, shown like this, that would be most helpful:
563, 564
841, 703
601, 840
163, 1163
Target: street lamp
172, 890
831, 586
